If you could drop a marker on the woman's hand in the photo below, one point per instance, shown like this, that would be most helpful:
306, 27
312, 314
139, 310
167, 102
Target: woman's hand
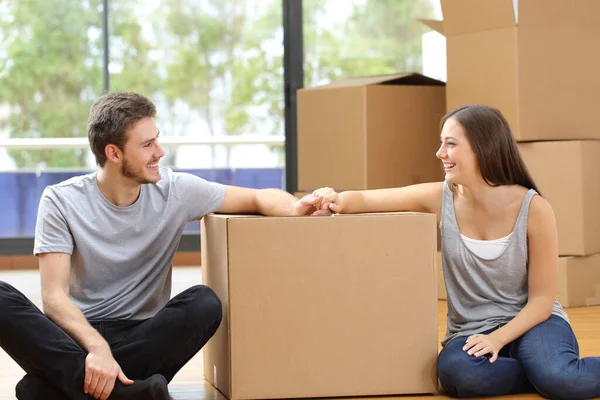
478, 345
329, 200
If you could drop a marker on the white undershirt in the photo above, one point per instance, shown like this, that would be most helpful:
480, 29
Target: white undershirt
487, 249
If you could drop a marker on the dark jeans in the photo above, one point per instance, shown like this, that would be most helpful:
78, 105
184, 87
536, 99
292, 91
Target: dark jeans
545, 359
159, 345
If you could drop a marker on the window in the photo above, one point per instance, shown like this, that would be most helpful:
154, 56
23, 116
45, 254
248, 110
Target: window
351, 38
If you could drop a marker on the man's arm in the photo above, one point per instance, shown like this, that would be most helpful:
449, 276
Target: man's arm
55, 274
271, 202
101, 369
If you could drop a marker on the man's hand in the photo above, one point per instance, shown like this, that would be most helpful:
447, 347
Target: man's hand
101, 372
317, 203
309, 205
479, 345
329, 200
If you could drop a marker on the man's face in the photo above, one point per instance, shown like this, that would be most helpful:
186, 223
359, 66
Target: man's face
142, 152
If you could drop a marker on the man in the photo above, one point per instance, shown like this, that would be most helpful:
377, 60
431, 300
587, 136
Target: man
105, 243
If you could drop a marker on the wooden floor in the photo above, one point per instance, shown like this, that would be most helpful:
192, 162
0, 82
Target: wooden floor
189, 383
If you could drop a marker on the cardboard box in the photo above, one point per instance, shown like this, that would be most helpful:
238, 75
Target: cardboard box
579, 281
568, 175
370, 133
322, 306
535, 63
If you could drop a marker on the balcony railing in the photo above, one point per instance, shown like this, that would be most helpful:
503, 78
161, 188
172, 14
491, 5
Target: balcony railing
21, 189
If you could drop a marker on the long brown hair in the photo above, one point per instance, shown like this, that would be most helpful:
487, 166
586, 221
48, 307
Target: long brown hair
496, 150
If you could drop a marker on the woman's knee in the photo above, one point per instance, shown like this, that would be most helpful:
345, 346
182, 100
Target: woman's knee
550, 356
549, 382
562, 382
460, 374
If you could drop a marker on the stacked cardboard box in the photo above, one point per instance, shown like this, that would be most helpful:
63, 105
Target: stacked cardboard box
370, 133
322, 306
532, 59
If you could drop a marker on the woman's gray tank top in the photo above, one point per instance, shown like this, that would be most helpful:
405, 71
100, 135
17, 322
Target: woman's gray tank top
483, 294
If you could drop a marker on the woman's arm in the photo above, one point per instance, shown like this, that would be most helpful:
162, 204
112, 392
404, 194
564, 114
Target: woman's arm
424, 197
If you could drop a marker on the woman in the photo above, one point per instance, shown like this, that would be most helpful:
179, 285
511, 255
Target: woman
506, 333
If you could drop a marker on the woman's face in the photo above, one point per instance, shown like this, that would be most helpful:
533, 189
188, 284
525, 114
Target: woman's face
457, 156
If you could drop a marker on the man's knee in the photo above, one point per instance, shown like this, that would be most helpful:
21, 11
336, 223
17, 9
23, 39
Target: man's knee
7, 294
206, 305
36, 387
5, 288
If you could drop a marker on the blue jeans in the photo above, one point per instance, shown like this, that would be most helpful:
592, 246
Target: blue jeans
545, 359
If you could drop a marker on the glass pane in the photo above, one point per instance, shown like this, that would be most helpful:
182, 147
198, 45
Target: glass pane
214, 68
350, 38
50, 73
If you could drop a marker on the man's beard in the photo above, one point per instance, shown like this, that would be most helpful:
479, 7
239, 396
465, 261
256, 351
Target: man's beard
137, 176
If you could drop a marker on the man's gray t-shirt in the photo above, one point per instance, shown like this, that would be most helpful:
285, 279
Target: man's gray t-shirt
121, 257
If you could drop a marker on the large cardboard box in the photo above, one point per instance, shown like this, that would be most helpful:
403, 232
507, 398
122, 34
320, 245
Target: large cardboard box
534, 62
370, 133
322, 306
567, 174
579, 281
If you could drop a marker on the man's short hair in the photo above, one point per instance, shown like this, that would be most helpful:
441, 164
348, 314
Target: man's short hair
111, 116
